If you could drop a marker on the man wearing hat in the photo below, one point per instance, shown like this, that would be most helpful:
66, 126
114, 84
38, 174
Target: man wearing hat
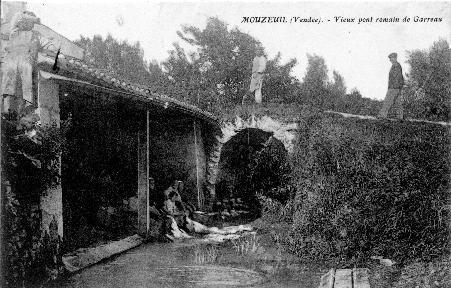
395, 84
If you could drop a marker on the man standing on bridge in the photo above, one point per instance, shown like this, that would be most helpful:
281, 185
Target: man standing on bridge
395, 85
258, 69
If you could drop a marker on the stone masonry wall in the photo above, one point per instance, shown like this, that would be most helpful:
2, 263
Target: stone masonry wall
283, 131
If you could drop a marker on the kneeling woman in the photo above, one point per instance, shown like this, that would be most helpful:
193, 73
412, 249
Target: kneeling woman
176, 219
178, 222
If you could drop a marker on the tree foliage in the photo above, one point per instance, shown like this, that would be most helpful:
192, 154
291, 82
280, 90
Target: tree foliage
158, 79
338, 84
212, 69
319, 91
279, 85
428, 89
218, 73
122, 59
314, 86
215, 73
355, 103
316, 74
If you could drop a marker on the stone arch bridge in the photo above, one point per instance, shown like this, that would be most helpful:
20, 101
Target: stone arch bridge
279, 127
284, 123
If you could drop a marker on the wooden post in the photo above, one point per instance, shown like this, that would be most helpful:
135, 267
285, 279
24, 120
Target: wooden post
196, 155
143, 182
327, 280
360, 277
2, 201
147, 169
200, 163
345, 278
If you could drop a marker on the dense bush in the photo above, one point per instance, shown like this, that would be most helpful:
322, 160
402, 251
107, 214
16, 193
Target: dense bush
428, 90
30, 166
370, 187
273, 211
25, 252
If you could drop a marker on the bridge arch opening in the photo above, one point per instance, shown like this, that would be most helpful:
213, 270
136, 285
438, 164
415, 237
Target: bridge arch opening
252, 162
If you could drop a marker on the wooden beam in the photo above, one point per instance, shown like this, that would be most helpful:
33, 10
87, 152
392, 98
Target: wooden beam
142, 187
196, 154
343, 278
360, 277
327, 280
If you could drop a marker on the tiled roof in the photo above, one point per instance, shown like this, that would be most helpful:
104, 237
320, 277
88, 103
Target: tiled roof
140, 92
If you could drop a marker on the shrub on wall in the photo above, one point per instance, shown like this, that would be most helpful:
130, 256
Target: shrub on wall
30, 163
371, 187
23, 242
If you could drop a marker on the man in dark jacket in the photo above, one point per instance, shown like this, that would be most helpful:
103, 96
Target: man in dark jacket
395, 84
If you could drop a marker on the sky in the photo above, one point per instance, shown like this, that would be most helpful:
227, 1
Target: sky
357, 51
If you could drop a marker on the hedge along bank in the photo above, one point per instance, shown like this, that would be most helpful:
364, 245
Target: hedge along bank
366, 187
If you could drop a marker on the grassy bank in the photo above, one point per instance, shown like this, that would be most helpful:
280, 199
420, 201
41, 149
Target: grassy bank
367, 188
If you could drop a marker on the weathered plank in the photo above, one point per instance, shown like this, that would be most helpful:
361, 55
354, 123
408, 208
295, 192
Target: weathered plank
343, 278
361, 278
142, 188
327, 280
85, 257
